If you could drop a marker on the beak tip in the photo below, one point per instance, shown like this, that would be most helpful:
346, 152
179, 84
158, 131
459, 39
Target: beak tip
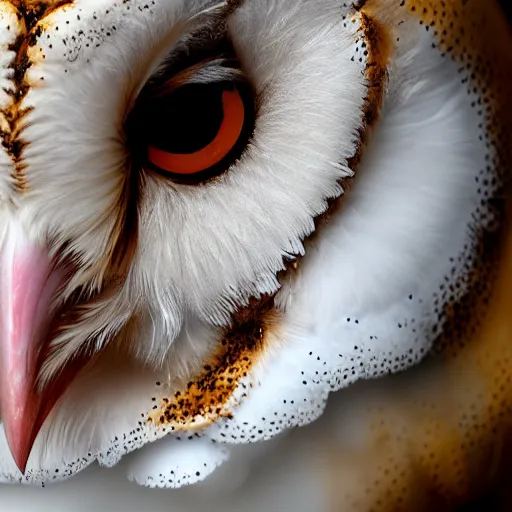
22, 465
20, 448
30, 280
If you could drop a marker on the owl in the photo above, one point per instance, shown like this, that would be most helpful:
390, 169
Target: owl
217, 215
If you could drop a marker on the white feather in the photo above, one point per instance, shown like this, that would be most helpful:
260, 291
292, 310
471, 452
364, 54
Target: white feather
362, 303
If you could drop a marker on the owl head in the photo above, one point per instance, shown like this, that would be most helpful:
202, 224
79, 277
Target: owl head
213, 213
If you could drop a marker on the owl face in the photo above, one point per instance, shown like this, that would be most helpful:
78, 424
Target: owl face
214, 213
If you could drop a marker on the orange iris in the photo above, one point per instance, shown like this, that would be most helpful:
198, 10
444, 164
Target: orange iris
212, 154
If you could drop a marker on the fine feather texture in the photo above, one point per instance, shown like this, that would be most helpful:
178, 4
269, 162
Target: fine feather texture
364, 300
201, 250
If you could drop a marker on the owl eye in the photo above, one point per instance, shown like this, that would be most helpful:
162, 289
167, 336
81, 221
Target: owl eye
193, 131
196, 130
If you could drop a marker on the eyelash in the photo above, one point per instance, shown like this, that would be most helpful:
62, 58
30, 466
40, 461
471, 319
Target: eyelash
189, 149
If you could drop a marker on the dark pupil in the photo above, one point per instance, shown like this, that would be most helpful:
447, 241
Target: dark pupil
185, 121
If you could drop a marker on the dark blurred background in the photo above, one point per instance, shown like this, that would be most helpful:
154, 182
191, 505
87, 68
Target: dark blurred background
506, 4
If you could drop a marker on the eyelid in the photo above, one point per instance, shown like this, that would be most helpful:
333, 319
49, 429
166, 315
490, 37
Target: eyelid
209, 71
209, 20
229, 132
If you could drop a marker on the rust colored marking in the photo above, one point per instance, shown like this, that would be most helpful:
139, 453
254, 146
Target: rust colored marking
211, 395
29, 13
378, 45
207, 398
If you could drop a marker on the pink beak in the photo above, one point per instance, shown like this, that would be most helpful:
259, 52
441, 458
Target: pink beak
28, 283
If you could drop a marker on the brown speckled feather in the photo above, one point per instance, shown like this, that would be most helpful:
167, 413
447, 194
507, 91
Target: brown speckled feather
437, 437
